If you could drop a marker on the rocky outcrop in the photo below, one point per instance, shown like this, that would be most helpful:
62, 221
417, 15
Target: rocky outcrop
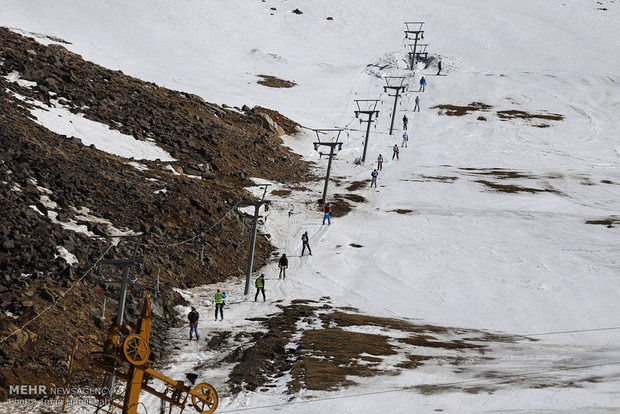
57, 195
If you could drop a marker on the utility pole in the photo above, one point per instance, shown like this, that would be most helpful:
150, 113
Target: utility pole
420, 54
395, 84
414, 30
370, 111
125, 265
257, 205
332, 148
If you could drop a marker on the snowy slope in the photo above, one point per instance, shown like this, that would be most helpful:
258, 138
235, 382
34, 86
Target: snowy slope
467, 256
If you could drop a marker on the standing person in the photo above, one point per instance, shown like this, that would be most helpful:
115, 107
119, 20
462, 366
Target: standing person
405, 122
193, 323
327, 213
260, 286
283, 264
374, 176
439, 67
219, 303
304, 240
380, 162
422, 84
395, 152
417, 104
405, 140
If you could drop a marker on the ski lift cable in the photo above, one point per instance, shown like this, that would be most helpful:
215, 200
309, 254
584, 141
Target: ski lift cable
58, 298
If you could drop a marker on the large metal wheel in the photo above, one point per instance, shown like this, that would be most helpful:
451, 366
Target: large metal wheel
204, 398
136, 349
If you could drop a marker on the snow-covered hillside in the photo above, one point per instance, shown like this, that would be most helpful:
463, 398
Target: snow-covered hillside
491, 231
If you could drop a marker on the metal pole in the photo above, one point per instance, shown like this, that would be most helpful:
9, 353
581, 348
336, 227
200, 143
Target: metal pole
248, 273
329, 166
367, 135
394, 111
415, 46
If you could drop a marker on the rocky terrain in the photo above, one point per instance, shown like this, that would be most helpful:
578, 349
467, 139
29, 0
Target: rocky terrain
61, 199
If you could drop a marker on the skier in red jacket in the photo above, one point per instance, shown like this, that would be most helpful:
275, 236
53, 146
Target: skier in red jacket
327, 210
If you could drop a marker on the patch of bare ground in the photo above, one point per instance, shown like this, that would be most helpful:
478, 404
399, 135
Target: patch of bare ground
341, 206
461, 110
429, 178
609, 221
402, 211
354, 197
273, 82
328, 362
281, 193
607, 182
332, 355
512, 188
514, 113
357, 185
499, 173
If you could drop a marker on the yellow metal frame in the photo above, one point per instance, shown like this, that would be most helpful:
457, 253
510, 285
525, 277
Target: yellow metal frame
134, 352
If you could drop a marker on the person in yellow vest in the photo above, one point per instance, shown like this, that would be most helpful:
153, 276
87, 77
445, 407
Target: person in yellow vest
219, 303
260, 286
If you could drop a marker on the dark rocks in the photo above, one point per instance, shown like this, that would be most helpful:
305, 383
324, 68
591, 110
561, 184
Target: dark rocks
297, 11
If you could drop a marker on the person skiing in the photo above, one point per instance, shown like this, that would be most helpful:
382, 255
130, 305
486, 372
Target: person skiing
439, 67
417, 104
260, 286
374, 176
327, 213
219, 303
395, 152
405, 122
405, 140
283, 264
422, 84
193, 316
304, 240
380, 162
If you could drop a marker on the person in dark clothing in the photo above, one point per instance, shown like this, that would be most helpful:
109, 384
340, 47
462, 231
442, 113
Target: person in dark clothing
304, 240
193, 323
405, 122
374, 176
417, 104
219, 303
283, 264
260, 286
439, 67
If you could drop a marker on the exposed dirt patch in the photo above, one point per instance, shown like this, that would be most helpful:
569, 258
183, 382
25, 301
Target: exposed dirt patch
430, 178
357, 246
610, 221
498, 173
607, 182
513, 188
281, 193
516, 114
355, 198
334, 347
273, 82
481, 118
341, 206
357, 185
542, 125
461, 110
402, 211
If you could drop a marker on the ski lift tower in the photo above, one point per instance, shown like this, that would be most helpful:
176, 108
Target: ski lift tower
420, 54
414, 31
395, 84
367, 107
330, 139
